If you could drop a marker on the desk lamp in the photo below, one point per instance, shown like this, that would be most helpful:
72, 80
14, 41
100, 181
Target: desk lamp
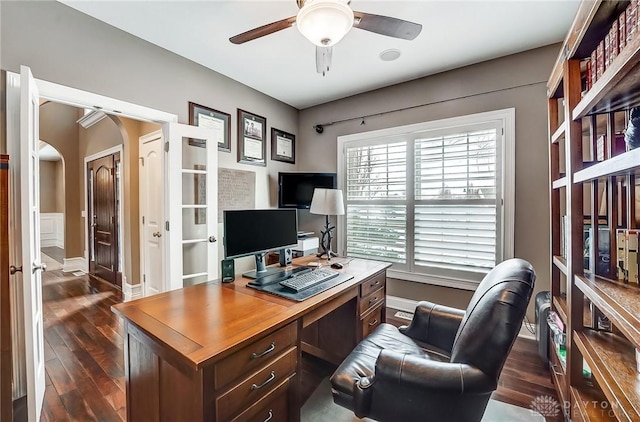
327, 202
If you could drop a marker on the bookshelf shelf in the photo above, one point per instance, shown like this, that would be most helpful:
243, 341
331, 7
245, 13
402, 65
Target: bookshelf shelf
558, 134
628, 162
612, 361
619, 86
560, 183
578, 123
560, 263
561, 307
584, 398
618, 301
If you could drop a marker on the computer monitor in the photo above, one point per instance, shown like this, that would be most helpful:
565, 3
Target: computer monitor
256, 232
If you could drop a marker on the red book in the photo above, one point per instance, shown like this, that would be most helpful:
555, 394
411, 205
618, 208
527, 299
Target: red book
622, 32
600, 60
589, 83
607, 50
632, 20
613, 41
594, 67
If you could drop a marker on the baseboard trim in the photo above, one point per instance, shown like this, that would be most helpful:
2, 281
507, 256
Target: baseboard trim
131, 291
401, 303
408, 305
75, 264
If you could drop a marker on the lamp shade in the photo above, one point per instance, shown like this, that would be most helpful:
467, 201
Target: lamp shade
325, 22
327, 202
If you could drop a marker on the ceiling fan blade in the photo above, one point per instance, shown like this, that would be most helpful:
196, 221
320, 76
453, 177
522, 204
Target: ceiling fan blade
263, 30
386, 25
323, 59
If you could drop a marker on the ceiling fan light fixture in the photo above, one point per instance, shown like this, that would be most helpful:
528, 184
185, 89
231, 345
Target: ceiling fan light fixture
325, 22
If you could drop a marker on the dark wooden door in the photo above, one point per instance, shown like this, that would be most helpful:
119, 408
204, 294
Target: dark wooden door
103, 219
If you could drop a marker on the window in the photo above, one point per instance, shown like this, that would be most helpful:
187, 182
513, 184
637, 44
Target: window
430, 198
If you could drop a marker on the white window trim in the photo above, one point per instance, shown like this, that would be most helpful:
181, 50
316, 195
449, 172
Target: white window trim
507, 117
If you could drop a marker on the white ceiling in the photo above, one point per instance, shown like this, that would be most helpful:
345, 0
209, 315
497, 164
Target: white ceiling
282, 65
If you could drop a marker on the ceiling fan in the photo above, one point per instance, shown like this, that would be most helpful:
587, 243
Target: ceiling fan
325, 22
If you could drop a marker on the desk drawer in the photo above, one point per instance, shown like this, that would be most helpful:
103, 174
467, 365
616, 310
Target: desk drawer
371, 300
373, 283
256, 386
253, 356
371, 321
274, 407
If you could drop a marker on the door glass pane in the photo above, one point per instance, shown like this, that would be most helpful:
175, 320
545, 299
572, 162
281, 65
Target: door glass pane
194, 154
194, 258
194, 223
194, 189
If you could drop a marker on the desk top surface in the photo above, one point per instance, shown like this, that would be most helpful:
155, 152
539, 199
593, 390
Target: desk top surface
210, 320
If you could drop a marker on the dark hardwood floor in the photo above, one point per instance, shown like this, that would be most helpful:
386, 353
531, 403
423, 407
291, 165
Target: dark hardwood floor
85, 368
83, 350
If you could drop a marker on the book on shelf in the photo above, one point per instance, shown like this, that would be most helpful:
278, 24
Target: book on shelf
631, 255
627, 245
617, 147
603, 255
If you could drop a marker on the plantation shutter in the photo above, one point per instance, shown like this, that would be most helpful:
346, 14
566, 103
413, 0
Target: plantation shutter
455, 201
376, 193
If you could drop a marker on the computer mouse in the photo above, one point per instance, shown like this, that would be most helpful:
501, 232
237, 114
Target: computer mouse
336, 265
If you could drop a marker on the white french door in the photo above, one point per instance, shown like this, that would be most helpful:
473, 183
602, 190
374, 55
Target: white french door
192, 202
32, 267
152, 212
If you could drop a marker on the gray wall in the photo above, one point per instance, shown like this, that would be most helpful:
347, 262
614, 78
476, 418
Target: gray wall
67, 47
64, 46
517, 81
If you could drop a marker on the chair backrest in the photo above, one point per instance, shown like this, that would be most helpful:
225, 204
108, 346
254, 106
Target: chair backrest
494, 316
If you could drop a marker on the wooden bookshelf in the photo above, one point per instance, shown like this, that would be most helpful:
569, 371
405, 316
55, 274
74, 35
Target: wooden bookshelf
584, 408
577, 118
612, 361
561, 263
620, 302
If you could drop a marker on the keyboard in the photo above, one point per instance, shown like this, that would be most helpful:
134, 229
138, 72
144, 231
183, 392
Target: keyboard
310, 279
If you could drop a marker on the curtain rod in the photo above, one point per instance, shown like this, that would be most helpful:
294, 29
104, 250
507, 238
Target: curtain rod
320, 127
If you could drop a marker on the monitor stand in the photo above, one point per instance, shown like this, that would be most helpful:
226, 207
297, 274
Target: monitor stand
261, 269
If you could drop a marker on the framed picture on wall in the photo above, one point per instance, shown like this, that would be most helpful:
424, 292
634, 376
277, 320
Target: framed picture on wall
252, 134
283, 146
209, 118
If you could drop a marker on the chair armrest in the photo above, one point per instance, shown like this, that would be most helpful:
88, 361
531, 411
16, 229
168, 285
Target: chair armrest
412, 372
434, 324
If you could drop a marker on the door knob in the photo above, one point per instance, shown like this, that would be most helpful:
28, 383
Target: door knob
212, 239
42, 267
13, 269
157, 234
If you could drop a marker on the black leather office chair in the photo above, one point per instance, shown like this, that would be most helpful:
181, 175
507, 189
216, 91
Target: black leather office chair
446, 363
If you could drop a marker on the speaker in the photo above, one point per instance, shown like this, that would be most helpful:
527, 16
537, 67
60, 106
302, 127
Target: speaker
286, 257
228, 271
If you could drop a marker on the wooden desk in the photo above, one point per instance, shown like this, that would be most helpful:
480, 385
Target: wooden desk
229, 352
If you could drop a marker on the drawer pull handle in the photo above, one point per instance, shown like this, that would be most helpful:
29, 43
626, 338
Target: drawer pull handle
270, 416
374, 300
374, 322
270, 349
271, 378
375, 284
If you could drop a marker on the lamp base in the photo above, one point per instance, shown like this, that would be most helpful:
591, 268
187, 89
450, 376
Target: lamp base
326, 241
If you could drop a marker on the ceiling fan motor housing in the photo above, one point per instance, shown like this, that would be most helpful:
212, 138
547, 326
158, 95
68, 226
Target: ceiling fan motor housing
324, 22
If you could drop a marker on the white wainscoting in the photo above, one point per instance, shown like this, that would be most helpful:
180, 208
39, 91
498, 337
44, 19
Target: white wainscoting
52, 229
75, 264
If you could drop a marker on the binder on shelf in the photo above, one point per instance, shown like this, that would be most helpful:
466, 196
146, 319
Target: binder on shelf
620, 241
631, 249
